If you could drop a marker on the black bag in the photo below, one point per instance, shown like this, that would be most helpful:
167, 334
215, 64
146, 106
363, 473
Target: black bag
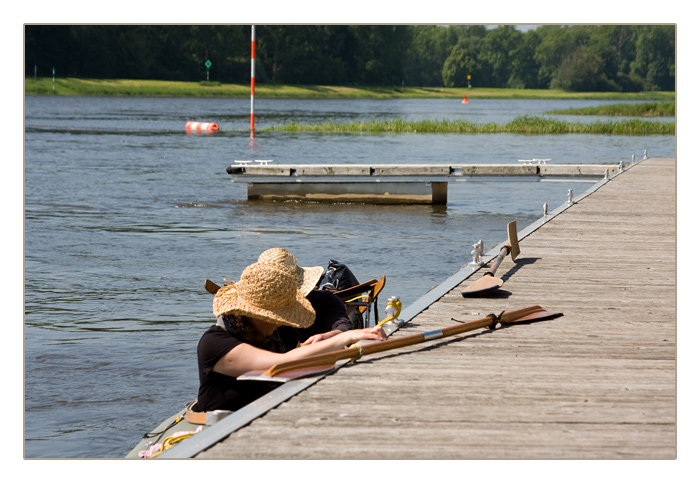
337, 277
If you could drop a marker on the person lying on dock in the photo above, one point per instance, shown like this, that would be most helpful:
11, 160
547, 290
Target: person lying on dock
246, 338
331, 312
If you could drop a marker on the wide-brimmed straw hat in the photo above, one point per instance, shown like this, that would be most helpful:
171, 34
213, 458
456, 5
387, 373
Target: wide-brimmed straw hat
266, 292
307, 277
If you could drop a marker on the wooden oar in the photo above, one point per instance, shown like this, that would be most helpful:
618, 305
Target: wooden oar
489, 282
323, 363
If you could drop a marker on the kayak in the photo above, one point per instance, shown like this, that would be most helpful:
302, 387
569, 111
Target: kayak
174, 428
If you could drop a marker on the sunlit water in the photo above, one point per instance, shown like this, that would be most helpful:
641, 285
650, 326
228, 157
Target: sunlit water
126, 215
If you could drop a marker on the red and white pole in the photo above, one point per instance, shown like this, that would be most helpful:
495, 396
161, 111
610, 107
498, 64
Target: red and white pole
252, 81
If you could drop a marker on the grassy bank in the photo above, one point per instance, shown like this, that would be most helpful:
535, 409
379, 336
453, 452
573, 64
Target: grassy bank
519, 125
646, 109
156, 88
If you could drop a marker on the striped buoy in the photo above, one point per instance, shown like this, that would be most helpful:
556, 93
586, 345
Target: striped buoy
200, 127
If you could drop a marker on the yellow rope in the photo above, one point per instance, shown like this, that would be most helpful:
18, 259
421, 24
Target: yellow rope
170, 441
396, 305
358, 298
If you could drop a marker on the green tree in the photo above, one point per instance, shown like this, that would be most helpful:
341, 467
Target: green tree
600, 57
227, 47
557, 43
49, 46
464, 61
381, 53
655, 60
430, 47
308, 54
299, 55
615, 47
96, 49
524, 67
164, 46
580, 72
496, 51
607, 41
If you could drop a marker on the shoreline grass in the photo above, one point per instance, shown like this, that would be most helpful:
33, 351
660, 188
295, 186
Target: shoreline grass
156, 88
519, 125
647, 109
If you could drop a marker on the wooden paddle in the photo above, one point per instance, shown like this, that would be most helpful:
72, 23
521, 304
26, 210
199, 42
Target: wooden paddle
324, 363
489, 282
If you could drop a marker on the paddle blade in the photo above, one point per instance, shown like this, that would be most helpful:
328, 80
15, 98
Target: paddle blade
513, 240
485, 284
287, 376
536, 317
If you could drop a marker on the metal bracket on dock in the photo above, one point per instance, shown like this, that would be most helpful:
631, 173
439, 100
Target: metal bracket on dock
534, 161
477, 252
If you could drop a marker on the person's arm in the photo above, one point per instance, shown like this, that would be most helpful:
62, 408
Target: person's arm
319, 337
245, 357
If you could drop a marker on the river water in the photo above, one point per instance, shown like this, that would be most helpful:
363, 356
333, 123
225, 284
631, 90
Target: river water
126, 215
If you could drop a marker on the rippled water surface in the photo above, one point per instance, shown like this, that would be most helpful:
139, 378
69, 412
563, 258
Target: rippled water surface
126, 215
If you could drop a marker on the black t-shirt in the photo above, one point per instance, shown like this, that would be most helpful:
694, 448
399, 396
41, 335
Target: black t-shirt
218, 391
331, 314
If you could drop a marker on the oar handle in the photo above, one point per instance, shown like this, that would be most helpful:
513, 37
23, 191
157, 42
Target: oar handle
494, 266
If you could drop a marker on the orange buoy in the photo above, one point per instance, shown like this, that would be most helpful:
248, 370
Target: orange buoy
200, 127
465, 101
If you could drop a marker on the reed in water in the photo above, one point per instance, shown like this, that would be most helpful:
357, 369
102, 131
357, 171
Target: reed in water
519, 125
645, 109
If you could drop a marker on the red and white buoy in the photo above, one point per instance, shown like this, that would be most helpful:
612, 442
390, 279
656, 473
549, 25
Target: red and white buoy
465, 100
201, 127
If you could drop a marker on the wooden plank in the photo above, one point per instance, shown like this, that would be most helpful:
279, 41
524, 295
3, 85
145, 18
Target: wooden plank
577, 169
498, 170
334, 170
263, 170
411, 170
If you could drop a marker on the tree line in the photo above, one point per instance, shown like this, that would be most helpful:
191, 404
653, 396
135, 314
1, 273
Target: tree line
626, 58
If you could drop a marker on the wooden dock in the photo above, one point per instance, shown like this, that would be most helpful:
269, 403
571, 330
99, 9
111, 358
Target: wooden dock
598, 383
389, 183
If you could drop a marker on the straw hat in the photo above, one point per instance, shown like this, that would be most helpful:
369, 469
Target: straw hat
266, 292
307, 277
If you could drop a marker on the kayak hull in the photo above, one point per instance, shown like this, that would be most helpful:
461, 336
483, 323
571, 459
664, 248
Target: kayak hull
155, 437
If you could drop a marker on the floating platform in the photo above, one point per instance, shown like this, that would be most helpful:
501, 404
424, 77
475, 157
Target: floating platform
390, 183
